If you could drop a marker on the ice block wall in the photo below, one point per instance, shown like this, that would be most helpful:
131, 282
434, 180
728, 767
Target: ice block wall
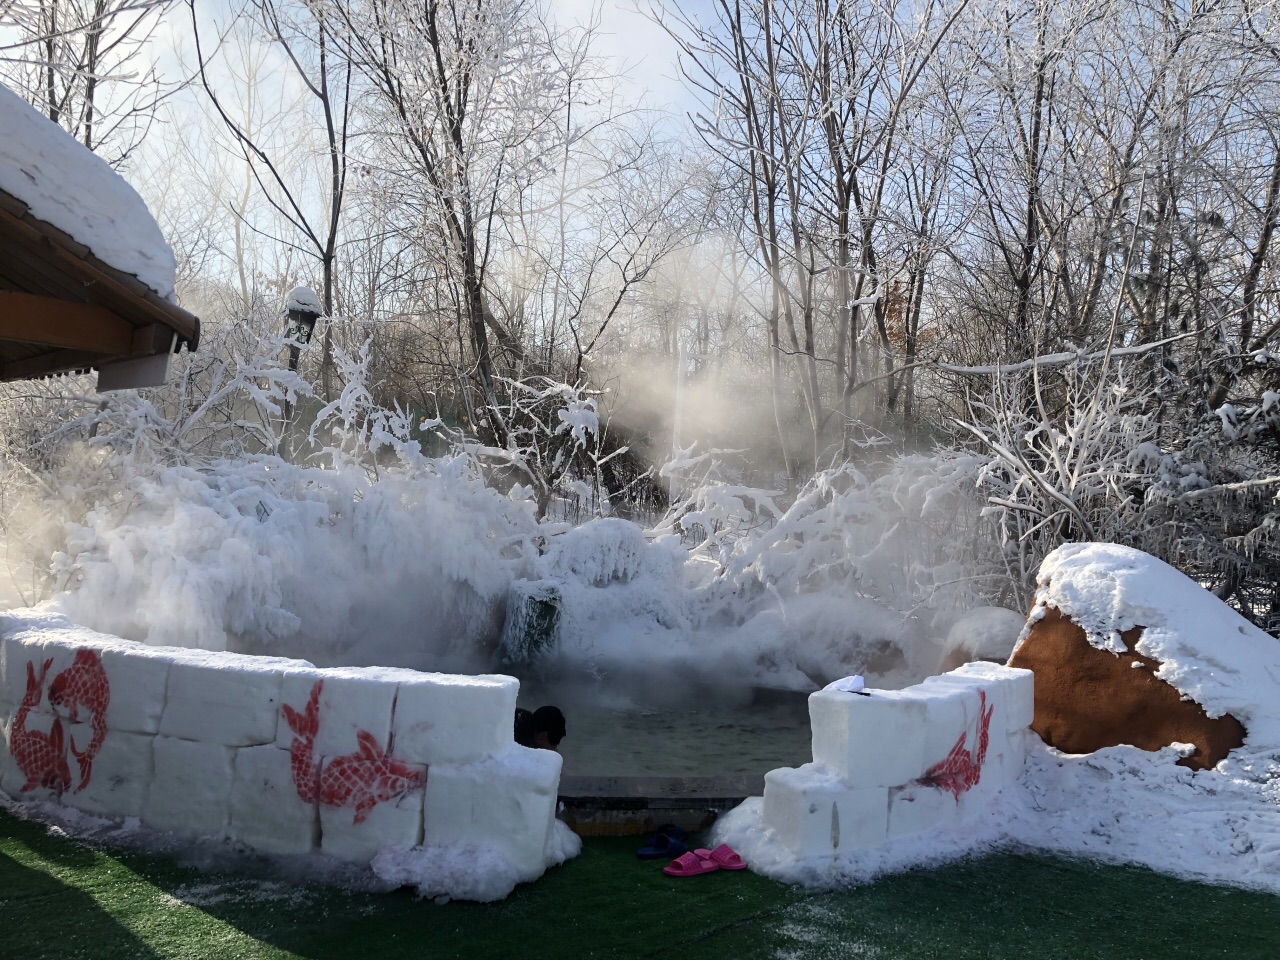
889, 763
279, 754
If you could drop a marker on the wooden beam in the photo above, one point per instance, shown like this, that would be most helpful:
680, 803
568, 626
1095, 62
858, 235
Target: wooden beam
63, 323
48, 364
127, 294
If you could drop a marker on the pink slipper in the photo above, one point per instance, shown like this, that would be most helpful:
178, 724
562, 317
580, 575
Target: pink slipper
689, 865
724, 857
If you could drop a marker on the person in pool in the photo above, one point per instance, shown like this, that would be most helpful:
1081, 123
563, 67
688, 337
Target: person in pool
543, 729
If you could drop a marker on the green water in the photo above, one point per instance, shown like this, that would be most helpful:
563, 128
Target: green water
690, 738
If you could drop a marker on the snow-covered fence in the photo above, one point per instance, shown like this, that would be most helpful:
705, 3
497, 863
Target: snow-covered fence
888, 763
279, 754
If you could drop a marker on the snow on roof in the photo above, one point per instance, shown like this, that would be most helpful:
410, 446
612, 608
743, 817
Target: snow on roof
66, 185
1207, 651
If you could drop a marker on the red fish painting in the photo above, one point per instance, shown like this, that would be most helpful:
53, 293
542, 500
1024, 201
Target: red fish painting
361, 780
83, 686
42, 757
962, 769
305, 726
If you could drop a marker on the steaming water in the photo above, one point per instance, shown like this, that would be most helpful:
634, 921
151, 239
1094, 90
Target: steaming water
695, 737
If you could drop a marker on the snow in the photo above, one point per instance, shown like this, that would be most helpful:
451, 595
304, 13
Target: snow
987, 633
1211, 654
465, 870
304, 299
1120, 804
66, 185
324, 565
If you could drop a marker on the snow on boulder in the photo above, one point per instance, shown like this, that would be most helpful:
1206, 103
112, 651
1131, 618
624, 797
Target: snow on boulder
1127, 650
66, 185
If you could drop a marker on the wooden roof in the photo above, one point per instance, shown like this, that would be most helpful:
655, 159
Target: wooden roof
62, 310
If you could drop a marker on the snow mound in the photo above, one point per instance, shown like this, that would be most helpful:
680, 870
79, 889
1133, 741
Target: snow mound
987, 633
597, 553
66, 185
1118, 805
465, 871
1208, 652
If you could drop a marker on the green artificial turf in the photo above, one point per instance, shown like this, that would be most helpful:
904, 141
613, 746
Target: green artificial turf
60, 899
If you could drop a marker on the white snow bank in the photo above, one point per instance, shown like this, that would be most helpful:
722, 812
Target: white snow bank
1119, 805
466, 871
987, 633
327, 565
1210, 653
66, 185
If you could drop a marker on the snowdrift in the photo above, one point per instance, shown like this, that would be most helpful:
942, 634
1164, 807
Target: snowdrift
1118, 804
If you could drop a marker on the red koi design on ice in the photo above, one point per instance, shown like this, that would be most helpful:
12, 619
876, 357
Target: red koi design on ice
962, 769
83, 685
305, 726
361, 780
42, 757
367, 778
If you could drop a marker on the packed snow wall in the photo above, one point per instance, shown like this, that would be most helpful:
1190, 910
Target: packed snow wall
890, 763
278, 754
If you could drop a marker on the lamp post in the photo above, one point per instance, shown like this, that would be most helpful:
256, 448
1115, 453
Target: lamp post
302, 308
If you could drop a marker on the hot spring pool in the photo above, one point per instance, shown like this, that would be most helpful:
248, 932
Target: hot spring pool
692, 738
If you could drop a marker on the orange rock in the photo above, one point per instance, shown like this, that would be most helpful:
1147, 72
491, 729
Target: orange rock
1087, 698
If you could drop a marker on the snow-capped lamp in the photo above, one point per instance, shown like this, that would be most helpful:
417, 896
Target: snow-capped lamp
303, 309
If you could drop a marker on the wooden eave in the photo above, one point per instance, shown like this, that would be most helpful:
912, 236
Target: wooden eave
62, 310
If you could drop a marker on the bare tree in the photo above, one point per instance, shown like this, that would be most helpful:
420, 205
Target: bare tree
85, 65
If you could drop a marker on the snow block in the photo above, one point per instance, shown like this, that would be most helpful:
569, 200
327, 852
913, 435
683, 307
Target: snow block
223, 698
266, 811
814, 814
397, 820
444, 718
139, 678
952, 716
6, 700
917, 807
54, 772
1020, 698
508, 801
874, 741
351, 700
190, 788
120, 775
1013, 687
978, 798
5, 758
19, 651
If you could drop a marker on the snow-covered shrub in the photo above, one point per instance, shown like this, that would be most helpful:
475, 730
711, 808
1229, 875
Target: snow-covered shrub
552, 445
1080, 452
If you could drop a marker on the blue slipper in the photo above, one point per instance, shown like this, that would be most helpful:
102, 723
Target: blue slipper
661, 845
672, 831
